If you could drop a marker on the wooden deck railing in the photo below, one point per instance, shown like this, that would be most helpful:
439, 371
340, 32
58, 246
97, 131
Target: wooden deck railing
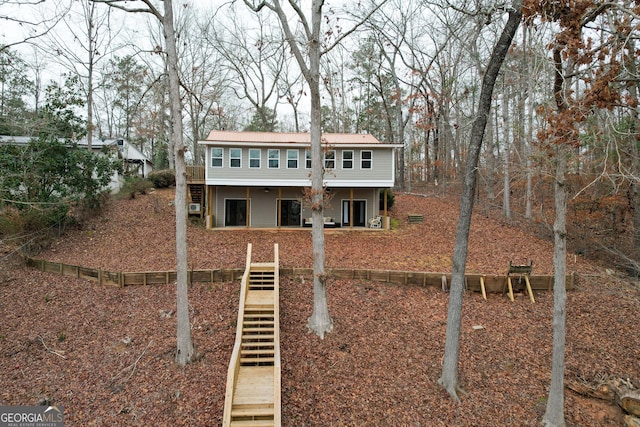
234, 363
195, 173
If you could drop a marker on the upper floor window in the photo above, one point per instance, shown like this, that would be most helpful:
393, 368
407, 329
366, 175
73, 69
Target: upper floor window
366, 159
307, 159
254, 158
330, 159
235, 157
216, 157
274, 158
292, 159
347, 159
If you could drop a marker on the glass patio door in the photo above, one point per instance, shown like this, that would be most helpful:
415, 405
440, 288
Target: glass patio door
359, 213
235, 212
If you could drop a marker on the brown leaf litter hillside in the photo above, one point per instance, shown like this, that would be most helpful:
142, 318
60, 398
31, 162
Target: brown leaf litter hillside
139, 235
106, 354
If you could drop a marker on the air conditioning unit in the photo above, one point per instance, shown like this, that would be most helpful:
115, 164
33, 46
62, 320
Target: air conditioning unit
194, 207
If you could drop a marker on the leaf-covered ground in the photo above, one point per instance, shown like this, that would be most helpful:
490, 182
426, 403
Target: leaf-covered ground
106, 354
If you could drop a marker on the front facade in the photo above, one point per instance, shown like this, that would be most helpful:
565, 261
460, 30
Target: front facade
258, 179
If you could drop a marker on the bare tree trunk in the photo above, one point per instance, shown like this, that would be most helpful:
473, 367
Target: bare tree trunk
635, 141
529, 140
185, 350
491, 163
506, 184
320, 322
554, 415
449, 378
635, 188
90, 65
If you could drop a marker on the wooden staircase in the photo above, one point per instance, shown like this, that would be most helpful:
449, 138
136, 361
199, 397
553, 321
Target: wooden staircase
253, 380
196, 195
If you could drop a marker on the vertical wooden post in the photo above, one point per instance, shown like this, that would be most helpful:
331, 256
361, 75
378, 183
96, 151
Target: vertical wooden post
248, 208
510, 288
280, 207
482, 288
351, 208
384, 218
529, 290
209, 194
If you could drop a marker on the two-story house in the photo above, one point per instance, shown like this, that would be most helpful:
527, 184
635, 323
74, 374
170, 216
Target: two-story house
258, 179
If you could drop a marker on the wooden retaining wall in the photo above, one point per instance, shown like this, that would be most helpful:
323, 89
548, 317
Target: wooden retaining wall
493, 283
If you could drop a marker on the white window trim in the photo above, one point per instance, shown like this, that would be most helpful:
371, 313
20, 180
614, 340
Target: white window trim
352, 159
305, 159
221, 157
362, 159
297, 159
269, 158
334, 159
235, 158
259, 150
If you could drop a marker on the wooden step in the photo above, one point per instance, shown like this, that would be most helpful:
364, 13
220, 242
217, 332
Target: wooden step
262, 265
252, 423
263, 344
258, 337
259, 314
244, 360
259, 317
258, 322
256, 352
265, 329
252, 411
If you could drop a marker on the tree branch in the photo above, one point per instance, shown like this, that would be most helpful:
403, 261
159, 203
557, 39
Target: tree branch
118, 4
354, 28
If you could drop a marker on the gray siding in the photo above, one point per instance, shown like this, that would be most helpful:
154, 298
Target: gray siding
263, 204
382, 166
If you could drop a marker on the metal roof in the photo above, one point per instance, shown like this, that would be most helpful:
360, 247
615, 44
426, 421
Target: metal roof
289, 137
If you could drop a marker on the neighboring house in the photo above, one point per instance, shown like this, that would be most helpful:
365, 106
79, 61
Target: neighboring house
133, 159
256, 179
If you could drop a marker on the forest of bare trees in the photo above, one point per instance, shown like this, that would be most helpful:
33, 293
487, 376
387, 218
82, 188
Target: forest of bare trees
547, 137
410, 73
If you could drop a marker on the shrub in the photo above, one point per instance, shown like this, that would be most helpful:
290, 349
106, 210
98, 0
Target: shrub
134, 185
10, 222
162, 178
